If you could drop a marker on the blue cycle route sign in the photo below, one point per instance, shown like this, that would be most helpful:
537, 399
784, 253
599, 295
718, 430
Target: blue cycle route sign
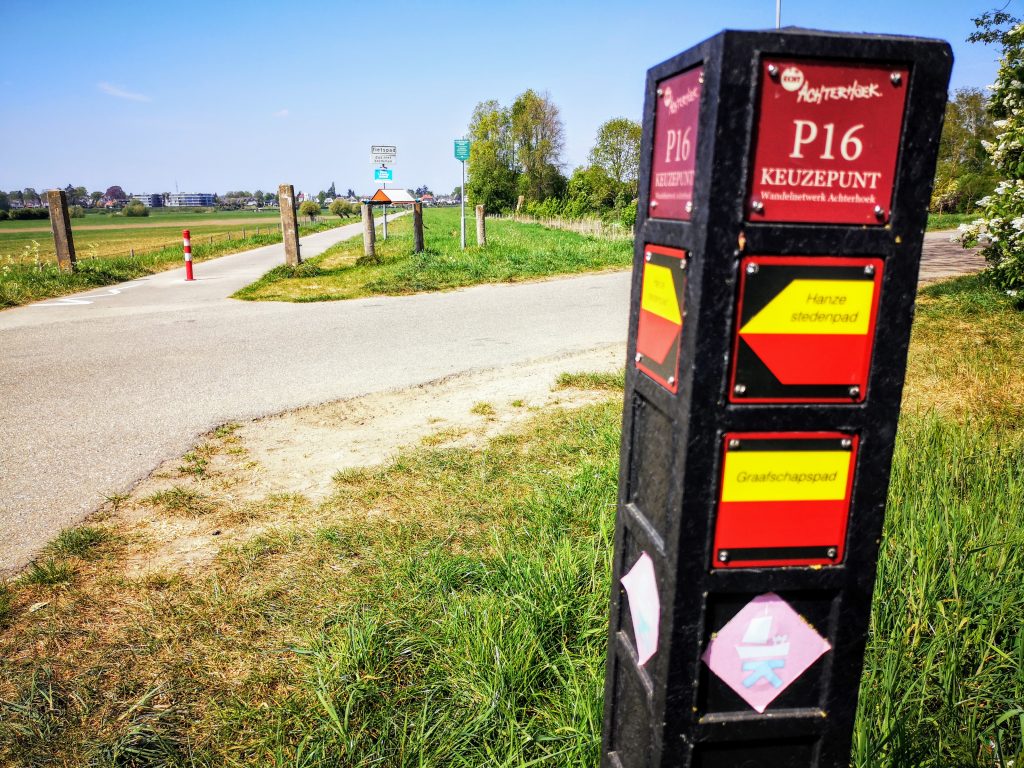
382, 174
462, 149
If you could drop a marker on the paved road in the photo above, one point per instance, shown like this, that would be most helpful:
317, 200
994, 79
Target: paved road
100, 387
96, 394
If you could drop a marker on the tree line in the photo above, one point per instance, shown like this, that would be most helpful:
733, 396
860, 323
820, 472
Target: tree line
517, 152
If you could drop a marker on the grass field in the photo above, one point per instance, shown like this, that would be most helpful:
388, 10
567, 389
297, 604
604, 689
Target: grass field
105, 236
450, 608
35, 277
514, 252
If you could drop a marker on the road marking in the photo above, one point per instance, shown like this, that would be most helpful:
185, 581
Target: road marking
70, 302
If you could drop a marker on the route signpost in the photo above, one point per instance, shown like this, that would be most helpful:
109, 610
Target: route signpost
784, 187
382, 156
462, 155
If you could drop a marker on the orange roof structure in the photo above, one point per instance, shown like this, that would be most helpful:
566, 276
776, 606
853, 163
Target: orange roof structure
393, 197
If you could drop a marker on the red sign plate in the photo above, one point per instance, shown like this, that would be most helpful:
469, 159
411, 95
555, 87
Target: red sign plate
805, 329
660, 326
675, 145
784, 499
827, 141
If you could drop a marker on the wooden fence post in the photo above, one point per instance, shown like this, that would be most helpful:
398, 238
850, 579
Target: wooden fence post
519, 203
417, 228
60, 222
369, 235
481, 227
289, 226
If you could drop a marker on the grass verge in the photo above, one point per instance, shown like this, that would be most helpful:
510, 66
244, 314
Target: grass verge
450, 608
23, 283
514, 252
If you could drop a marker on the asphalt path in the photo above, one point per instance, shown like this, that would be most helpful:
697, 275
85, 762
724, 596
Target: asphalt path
100, 387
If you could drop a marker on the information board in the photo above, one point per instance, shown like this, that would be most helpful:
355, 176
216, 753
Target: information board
675, 145
828, 137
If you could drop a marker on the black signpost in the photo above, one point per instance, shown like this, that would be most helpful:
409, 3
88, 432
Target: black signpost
785, 182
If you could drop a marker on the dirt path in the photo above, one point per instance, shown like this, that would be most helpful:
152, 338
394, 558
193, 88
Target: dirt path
273, 464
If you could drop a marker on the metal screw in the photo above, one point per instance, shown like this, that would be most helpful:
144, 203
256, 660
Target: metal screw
647, 256
682, 263
734, 444
854, 391
752, 268
869, 269
638, 357
879, 212
700, 79
671, 380
846, 442
896, 78
661, 92
654, 203
757, 206
739, 389
689, 206
723, 556
773, 71
831, 552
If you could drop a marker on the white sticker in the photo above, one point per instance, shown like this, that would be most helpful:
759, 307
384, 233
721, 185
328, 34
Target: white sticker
644, 606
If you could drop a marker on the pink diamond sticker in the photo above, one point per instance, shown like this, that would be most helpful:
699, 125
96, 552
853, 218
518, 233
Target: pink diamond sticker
763, 649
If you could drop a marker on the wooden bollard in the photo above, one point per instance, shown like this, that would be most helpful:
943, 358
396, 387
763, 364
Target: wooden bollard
417, 228
60, 222
481, 227
519, 203
289, 225
369, 235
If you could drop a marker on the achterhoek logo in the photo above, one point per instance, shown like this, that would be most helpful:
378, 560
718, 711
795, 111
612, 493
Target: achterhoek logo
674, 104
793, 80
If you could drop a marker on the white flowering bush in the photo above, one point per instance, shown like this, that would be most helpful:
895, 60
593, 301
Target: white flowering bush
1000, 228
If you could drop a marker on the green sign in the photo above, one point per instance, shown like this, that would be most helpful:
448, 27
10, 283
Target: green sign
462, 149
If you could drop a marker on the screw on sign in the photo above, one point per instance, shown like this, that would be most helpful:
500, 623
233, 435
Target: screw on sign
785, 180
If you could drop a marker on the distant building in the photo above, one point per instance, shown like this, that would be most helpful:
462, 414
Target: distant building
190, 199
150, 201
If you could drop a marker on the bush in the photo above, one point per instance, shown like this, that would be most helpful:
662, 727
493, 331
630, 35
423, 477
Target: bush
310, 208
29, 213
341, 208
135, 208
76, 212
3, 214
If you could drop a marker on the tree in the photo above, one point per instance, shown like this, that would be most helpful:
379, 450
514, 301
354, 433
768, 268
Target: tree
95, 197
1000, 230
331, 192
964, 173
492, 162
17, 194
136, 208
340, 208
539, 138
30, 197
421, 191
115, 193
258, 197
320, 197
617, 151
5, 202
350, 194
310, 208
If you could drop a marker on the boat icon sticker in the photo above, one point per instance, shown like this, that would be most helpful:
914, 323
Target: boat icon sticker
764, 648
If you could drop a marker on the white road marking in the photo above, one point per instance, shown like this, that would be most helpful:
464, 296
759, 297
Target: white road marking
69, 302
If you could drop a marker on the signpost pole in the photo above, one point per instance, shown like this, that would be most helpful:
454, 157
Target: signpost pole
785, 178
462, 203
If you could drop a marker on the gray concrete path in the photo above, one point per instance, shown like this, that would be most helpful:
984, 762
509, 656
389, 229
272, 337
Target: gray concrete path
100, 387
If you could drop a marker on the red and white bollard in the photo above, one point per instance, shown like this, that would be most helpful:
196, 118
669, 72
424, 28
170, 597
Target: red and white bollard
186, 235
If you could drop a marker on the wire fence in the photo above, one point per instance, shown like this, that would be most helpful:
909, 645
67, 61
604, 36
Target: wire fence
589, 227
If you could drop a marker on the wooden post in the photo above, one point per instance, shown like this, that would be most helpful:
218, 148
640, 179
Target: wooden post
369, 235
519, 203
417, 228
481, 227
289, 226
60, 222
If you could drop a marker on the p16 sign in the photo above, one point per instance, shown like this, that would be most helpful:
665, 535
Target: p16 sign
827, 142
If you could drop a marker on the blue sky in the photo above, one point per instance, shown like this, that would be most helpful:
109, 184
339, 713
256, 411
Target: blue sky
244, 95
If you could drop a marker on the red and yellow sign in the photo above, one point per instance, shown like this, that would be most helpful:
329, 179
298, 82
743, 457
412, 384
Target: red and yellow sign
784, 499
828, 137
805, 329
660, 325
